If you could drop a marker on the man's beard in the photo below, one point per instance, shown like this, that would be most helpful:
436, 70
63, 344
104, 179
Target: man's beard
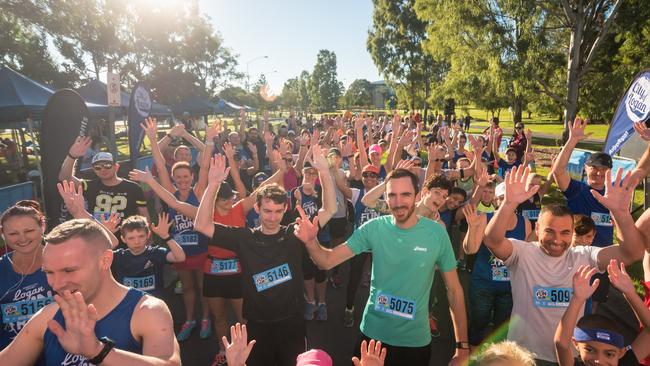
410, 212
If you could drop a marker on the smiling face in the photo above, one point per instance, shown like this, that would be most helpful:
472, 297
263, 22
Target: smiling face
400, 195
554, 232
22, 233
183, 178
596, 176
595, 353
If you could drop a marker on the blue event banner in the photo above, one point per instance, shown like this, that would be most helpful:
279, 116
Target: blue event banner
633, 107
139, 108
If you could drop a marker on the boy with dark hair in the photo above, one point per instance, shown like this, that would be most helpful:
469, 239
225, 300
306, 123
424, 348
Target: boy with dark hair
596, 337
140, 265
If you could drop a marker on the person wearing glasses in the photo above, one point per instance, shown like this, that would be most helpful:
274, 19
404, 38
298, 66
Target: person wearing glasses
108, 193
519, 141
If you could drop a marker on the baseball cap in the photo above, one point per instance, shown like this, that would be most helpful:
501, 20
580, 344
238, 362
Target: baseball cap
259, 178
374, 148
334, 151
500, 189
225, 191
599, 159
598, 335
314, 357
102, 156
370, 168
307, 165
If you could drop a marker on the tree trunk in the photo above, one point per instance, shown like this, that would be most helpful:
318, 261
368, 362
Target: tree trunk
573, 71
516, 115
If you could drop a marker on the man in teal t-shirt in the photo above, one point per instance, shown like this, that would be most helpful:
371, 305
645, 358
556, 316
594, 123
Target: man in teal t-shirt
406, 249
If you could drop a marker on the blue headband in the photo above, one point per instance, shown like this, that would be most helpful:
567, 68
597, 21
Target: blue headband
599, 335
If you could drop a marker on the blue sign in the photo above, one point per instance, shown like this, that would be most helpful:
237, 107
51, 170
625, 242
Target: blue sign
139, 108
633, 107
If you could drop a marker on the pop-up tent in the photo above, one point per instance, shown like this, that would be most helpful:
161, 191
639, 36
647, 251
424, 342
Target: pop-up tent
195, 106
95, 92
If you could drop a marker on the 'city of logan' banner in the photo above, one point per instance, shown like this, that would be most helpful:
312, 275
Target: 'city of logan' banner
139, 108
633, 107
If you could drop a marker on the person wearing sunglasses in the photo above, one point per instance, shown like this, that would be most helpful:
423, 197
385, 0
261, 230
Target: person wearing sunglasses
108, 193
519, 140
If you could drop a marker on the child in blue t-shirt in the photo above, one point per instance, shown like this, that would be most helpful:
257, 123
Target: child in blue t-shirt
141, 265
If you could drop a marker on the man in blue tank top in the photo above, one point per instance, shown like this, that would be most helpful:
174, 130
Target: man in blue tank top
94, 319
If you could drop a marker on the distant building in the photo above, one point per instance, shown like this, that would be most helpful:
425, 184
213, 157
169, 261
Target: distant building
381, 92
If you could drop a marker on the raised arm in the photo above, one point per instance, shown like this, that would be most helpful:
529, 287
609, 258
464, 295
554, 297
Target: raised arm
77, 150
329, 195
516, 193
218, 173
617, 199
150, 127
396, 132
476, 224
582, 290
145, 177
234, 169
341, 183
358, 128
372, 198
204, 162
576, 134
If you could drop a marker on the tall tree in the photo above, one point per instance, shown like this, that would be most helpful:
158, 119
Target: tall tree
324, 88
359, 93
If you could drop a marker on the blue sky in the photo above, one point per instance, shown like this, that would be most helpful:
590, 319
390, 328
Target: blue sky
291, 33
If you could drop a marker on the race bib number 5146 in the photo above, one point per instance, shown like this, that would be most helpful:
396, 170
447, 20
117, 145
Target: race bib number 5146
272, 277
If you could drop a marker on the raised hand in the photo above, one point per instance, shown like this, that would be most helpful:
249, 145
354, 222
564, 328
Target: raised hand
372, 354
306, 230
252, 148
150, 128
80, 145
112, 223
620, 279
141, 176
162, 229
237, 350
72, 197
229, 151
618, 195
577, 130
213, 131
315, 137
268, 139
642, 130
358, 123
218, 171
78, 337
582, 290
318, 159
404, 164
529, 135
266, 116
516, 190
178, 130
472, 218
242, 115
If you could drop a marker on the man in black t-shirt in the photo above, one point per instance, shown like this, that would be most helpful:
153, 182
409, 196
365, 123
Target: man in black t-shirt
271, 260
109, 193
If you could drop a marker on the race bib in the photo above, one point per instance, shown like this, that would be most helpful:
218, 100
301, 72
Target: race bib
499, 270
22, 310
396, 306
601, 219
187, 239
552, 297
224, 266
272, 277
530, 214
147, 283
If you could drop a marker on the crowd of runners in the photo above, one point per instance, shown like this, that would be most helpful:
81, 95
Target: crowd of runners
258, 222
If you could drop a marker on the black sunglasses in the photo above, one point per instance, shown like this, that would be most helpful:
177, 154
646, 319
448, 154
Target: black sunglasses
369, 175
101, 166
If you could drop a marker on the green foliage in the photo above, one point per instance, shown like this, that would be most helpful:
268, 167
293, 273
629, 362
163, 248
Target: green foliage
323, 86
359, 93
238, 96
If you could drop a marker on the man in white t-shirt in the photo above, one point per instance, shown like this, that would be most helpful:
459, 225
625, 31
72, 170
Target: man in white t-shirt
541, 272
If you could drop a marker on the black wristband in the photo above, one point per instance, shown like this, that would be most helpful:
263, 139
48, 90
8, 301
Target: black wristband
109, 344
462, 345
72, 157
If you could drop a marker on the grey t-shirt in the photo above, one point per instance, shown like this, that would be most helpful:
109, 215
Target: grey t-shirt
341, 202
541, 289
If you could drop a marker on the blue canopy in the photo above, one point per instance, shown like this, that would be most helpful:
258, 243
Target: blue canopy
95, 92
22, 98
195, 105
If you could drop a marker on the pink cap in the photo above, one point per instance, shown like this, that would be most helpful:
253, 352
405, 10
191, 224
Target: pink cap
374, 148
314, 357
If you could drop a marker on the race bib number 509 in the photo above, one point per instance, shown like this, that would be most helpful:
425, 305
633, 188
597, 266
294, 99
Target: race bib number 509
552, 297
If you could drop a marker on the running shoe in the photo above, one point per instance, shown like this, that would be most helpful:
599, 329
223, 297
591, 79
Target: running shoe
321, 314
336, 281
186, 330
348, 317
433, 325
220, 359
206, 329
310, 309
178, 289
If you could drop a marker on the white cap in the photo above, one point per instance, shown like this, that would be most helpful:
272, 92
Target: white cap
102, 156
500, 189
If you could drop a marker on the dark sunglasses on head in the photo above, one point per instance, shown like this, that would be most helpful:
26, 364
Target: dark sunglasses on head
369, 175
101, 166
